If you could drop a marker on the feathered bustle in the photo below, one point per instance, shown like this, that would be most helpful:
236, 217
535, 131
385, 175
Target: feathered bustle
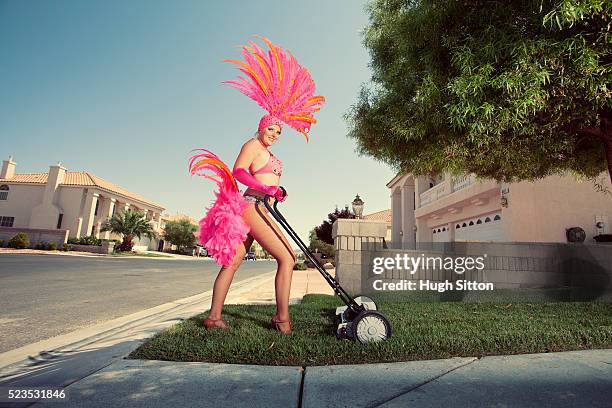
222, 229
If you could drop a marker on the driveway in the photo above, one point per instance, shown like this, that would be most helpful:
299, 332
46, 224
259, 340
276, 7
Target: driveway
42, 296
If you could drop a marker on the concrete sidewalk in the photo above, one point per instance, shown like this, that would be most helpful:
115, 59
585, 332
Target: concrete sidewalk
570, 379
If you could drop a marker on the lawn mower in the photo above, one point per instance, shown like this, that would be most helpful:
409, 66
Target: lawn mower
358, 320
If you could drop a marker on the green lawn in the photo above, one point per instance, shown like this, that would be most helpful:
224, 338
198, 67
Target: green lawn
421, 330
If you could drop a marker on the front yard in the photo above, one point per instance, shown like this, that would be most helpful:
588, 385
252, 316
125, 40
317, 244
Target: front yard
421, 330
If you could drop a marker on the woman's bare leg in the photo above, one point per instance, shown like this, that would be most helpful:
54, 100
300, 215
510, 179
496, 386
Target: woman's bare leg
266, 232
224, 279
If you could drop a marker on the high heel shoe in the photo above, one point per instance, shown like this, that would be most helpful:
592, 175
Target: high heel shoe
215, 324
276, 322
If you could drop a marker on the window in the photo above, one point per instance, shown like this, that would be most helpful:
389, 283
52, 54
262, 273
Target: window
457, 226
4, 190
464, 225
487, 219
479, 221
7, 221
471, 223
497, 217
59, 221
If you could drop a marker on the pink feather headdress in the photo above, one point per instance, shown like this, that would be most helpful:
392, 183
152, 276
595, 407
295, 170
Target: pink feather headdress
278, 84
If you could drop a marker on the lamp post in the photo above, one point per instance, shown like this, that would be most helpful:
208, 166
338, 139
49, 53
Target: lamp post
357, 207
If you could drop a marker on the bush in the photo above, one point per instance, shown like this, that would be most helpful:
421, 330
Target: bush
300, 266
19, 241
88, 240
66, 247
1, 243
52, 246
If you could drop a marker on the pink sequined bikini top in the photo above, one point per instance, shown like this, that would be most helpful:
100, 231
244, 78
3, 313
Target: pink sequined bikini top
272, 166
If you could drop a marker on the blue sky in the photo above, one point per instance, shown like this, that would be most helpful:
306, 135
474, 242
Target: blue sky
126, 89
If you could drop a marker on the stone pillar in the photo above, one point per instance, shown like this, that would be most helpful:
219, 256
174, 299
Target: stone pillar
350, 238
88, 212
408, 222
396, 214
107, 213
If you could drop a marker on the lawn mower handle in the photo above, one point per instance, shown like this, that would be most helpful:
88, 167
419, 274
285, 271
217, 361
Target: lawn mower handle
346, 298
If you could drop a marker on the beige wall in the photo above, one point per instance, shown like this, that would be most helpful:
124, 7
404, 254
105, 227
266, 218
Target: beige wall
21, 199
541, 211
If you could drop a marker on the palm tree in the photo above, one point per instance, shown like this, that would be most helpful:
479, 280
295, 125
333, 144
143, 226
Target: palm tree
129, 224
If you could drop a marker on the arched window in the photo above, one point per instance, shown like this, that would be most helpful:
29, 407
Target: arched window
434, 231
471, 223
4, 190
487, 219
479, 221
497, 217
444, 229
457, 226
464, 225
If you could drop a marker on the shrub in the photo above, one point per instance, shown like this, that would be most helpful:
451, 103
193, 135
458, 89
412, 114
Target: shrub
19, 241
90, 240
40, 245
66, 247
52, 246
300, 266
1, 243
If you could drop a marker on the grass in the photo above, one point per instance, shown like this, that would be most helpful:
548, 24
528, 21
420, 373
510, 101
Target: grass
137, 254
421, 330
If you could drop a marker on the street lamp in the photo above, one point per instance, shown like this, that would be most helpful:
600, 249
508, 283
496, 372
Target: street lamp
357, 207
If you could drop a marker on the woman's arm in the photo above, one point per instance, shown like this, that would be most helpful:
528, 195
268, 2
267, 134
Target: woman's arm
241, 173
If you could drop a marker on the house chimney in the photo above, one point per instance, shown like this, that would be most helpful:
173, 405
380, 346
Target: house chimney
8, 168
55, 178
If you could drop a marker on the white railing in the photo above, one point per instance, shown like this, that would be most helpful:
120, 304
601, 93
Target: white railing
433, 194
459, 182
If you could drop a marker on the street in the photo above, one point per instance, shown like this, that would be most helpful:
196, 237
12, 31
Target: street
43, 296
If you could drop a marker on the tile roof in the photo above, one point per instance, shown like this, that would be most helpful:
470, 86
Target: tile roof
384, 215
80, 178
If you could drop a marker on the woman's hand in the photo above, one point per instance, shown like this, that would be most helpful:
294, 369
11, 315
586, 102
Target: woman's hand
280, 196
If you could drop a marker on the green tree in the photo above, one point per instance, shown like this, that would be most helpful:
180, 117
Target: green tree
324, 231
129, 224
506, 89
317, 245
180, 233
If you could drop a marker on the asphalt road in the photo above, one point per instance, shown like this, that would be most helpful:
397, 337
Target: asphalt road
42, 296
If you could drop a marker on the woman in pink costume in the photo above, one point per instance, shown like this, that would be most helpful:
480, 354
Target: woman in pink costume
286, 90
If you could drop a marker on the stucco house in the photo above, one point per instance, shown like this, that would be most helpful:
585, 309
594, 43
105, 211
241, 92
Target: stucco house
445, 208
62, 204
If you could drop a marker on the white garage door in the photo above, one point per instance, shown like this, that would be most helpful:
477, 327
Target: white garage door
441, 234
484, 228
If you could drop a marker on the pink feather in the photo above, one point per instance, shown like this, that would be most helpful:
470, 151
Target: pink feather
277, 82
222, 229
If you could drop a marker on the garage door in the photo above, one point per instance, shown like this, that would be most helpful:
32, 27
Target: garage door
441, 234
487, 227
